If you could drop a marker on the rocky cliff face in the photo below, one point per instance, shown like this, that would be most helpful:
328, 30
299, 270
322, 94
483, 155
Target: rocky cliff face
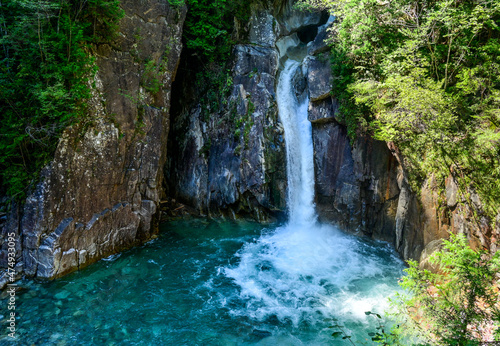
101, 192
361, 185
232, 161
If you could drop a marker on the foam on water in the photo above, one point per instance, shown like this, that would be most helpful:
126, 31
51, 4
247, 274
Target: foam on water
304, 275
304, 272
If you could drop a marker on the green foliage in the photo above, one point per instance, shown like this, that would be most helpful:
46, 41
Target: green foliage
177, 3
424, 75
340, 332
205, 149
44, 78
379, 335
209, 24
214, 84
458, 303
383, 336
151, 77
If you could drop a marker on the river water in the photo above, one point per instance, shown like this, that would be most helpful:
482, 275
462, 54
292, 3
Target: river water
217, 283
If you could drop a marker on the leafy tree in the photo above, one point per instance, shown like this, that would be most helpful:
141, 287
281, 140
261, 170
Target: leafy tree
209, 25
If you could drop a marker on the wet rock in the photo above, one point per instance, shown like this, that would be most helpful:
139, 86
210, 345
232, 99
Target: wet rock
287, 44
299, 83
62, 295
260, 334
356, 185
318, 45
326, 110
293, 20
319, 77
78, 313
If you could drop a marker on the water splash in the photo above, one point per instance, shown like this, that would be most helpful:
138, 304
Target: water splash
303, 272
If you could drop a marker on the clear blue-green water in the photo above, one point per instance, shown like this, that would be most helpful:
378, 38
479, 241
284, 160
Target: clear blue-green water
217, 283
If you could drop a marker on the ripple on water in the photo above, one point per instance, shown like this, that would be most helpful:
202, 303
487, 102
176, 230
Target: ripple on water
216, 283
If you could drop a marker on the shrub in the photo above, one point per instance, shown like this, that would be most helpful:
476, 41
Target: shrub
458, 304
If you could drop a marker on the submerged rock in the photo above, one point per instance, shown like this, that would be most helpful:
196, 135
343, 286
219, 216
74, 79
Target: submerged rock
258, 334
62, 295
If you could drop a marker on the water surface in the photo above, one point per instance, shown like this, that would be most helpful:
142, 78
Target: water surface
216, 283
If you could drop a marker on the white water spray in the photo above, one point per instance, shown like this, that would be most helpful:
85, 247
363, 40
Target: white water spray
304, 272
299, 149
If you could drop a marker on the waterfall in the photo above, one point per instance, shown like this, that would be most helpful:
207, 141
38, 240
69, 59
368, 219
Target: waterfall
299, 149
304, 271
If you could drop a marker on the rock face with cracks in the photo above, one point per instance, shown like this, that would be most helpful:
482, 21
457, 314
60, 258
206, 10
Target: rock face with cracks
231, 161
101, 192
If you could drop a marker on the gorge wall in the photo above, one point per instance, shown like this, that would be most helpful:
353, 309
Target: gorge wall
101, 192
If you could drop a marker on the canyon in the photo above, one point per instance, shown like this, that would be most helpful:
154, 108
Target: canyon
103, 190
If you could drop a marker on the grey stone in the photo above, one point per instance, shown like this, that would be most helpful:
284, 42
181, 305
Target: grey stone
323, 111
319, 45
88, 203
356, 185
294, 20
319, 77
286, 44
62, 295
263, 27
232, 161
253, 60
430, 248
451, 192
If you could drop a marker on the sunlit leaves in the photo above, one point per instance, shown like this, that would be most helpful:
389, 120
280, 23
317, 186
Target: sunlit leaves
459, 301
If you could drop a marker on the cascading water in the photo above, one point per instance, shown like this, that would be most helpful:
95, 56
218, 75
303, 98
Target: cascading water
299, 148
303, 272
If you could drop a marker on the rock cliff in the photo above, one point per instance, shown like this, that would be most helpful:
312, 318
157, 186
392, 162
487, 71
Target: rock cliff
232, 161
101, 192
